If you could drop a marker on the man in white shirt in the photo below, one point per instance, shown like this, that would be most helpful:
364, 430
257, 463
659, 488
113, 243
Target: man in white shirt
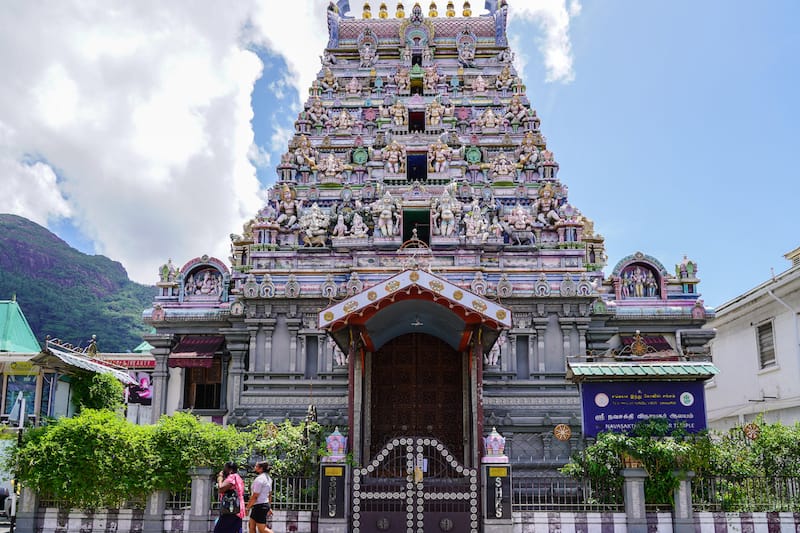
260, 499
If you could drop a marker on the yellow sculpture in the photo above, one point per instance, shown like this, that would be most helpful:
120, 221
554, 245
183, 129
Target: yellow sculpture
432, 11
451, 9
367, 14
401, 12
383, 12
467, 9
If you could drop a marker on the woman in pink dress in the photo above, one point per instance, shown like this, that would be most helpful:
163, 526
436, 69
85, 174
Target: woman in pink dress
227, 480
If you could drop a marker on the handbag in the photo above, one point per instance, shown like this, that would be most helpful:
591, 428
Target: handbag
229, 504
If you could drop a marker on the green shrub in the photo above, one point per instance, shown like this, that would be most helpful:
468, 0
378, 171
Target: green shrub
97, 391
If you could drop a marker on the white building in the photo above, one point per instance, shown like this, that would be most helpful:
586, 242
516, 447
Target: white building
757, 350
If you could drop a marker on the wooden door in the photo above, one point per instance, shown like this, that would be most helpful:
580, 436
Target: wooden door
417, 390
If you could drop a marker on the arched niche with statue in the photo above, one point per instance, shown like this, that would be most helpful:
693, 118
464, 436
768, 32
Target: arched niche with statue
639, 276
204, 279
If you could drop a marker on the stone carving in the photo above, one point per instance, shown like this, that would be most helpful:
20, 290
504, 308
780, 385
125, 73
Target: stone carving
399, 113
527, 153
314, 226
317, 113
504, 287
386, 212
267, 287
478, 285
331, 168
353, 87
292, 287
567, 287
505, 79
329, 81
445, 215
545, 207
430, 79
354, 284
439, 156
204, 282
167, 272
542, 286
394, 158
479, 85
328, 288
288, 208
403, 79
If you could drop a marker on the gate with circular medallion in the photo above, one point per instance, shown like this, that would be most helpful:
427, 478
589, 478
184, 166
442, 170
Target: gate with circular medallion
415, 485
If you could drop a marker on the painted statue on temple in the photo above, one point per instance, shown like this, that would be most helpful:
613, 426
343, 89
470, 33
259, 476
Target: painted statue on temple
359, 228
435, 112
430, 79
519, 218
476, 224
386, 211
546, 207
527, 153
466, 55
502, 167
446, 210
305, 155
505, 79
317, 113
399, 113
353, 87
394, 158
516, 111
288, 208
314, 226
329, 81
479, 85
403, 79
488, 119
343, 121
368, 55
439, 156
331, 168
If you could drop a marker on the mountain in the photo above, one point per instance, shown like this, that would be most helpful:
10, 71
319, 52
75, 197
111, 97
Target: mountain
67, 294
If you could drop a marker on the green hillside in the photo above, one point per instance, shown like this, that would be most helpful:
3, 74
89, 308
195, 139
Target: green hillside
67, 294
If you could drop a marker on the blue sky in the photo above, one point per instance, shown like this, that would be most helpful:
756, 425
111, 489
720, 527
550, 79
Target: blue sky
674, 123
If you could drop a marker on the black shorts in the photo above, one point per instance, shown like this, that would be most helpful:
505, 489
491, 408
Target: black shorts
259, 513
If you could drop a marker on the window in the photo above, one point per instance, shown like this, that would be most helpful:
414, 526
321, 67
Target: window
203, 386
766, 345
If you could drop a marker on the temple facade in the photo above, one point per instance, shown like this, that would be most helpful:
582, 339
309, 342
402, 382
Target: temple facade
418, 270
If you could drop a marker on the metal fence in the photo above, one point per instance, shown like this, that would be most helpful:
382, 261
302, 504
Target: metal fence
751, 494
289, 494
558, 493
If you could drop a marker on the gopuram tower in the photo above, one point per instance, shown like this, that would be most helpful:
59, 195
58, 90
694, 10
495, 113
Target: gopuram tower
418, 270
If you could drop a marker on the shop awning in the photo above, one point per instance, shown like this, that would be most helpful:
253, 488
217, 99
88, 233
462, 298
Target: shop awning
195, 351
69, 363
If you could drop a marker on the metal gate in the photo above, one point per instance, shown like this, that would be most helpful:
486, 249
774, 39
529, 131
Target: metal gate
415, 485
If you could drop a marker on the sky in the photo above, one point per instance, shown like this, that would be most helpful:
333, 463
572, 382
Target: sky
150, 130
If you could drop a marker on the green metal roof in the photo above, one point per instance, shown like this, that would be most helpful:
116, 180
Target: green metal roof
610, 371
144, 347
16, 335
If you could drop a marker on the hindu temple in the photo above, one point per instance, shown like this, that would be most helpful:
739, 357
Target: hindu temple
418, 278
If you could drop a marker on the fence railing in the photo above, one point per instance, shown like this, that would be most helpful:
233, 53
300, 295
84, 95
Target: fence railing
556, 493
751, 494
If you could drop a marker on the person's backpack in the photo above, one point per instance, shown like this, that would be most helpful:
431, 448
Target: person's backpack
229, 503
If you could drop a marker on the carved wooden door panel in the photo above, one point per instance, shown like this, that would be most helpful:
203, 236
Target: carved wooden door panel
417, 391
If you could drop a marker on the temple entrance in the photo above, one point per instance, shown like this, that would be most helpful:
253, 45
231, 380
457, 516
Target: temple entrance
417, 388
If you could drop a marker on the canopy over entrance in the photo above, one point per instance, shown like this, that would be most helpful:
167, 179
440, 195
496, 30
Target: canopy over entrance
415, 301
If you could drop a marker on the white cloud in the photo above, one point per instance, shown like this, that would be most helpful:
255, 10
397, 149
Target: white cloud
552, 38
143, 109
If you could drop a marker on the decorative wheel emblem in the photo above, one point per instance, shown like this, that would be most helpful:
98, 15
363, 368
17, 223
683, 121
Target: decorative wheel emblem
562, 432
445, 524
383, 524
751, 431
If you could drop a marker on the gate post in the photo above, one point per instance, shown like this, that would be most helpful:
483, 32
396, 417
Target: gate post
634, 499
683, 518
496, 476
334, 486
200, 511
333, 497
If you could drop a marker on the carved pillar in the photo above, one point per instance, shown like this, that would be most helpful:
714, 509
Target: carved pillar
162, 345
541, 329
566, 329
253, 330
237, 343
268, 327
532, 360
293, 325
511, 364
199, 513
583, 327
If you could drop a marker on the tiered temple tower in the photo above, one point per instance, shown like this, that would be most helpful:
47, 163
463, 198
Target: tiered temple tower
418, 269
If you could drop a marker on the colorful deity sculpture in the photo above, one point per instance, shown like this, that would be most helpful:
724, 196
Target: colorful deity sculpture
494, 445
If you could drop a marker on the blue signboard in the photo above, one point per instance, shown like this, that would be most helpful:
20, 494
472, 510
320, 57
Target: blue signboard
618, 406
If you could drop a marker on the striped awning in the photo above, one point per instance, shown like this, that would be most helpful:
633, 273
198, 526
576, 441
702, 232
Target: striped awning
70, 362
